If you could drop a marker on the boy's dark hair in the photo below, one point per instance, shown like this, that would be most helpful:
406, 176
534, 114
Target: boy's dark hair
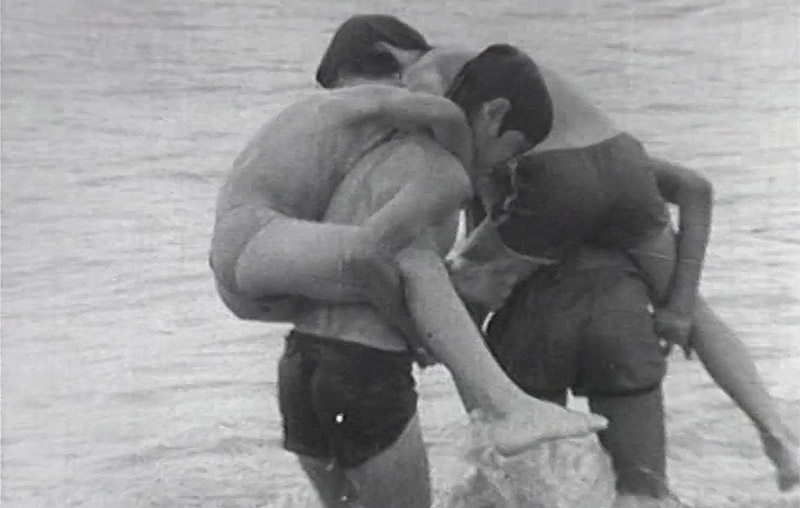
354, 48
504, 71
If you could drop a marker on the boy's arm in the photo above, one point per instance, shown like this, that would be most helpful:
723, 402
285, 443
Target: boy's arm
693, 194
412, 111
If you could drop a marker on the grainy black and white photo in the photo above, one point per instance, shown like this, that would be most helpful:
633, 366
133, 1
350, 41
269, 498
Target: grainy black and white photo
400, 254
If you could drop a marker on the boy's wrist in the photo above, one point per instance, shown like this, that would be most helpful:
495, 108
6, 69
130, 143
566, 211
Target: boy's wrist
681, 305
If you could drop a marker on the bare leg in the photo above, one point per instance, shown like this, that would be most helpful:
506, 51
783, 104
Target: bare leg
330, 482
635, 439
262, 258
286, 256
398, 477
519, 420
262, 253
728, 361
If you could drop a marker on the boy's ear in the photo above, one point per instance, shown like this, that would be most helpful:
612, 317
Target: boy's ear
496, 109
493, 113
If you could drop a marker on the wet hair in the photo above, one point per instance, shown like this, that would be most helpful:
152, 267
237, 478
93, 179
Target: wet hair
503, 71
355, 48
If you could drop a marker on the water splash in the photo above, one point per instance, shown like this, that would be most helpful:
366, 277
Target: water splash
566, 473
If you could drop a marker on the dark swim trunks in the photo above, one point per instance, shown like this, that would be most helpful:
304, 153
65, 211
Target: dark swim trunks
589, 329
343, 401
605, 195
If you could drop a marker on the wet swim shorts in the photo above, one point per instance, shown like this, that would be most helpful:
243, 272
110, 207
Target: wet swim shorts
343, 401
605, 195
588, 329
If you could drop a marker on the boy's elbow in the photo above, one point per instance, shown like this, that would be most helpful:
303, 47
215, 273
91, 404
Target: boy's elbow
703, 189
232, 259
231, 272
225, 279
696, 188
254, 309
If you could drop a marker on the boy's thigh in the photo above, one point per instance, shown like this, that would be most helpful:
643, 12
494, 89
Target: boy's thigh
620, 353
398, 477
536, 335
635, 440
623, 364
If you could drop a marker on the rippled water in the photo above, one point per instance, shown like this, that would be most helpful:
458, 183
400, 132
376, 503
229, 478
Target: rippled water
124, 381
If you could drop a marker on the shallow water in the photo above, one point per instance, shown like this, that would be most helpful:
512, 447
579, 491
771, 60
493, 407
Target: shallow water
125, 383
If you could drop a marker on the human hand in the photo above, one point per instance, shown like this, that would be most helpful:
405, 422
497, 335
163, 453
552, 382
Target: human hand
675, 327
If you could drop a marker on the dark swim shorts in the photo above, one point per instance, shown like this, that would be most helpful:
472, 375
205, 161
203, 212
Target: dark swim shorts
605, 195
342, 401
586, 329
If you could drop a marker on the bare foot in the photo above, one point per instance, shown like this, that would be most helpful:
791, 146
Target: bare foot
538, 421
781, 452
